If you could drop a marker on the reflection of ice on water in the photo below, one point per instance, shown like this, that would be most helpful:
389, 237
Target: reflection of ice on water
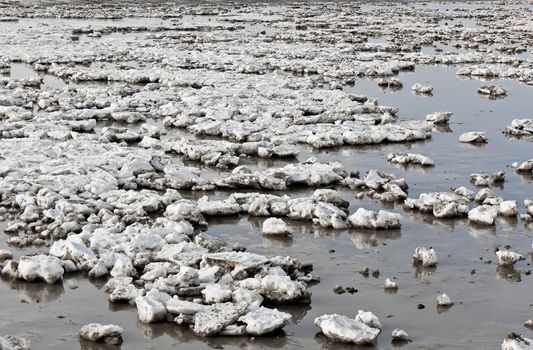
363, 239
33, 292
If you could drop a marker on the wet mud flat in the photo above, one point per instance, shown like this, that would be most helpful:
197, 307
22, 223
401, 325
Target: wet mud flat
149, 151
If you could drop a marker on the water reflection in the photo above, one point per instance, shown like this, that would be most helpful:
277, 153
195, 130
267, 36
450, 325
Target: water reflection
508, 221
90, 345
443, 308
443, 128
423, 272
428, 218
413, 167
30, 292
184, 334
481, 232
277, 241
328, 344
508, 273
363, 239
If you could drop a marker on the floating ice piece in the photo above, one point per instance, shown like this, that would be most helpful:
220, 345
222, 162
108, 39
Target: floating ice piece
399, 335
150, 310
281, 289
444, 300
217, 208
422, 89
40, 267
473, 137
392, 83
368, 318
275, 226
508, 208
264, 320
483, 194
5, 254
368, 219
465, 192
482, 179
390, 285
492, 90
483, 214
515, 341
529, 324
347, 330
439, 117
328, 215
330, 196
426, 257
520, 127
97, 332
11, 342
525, 167
410, 158
529, 206
441, 204
508, 258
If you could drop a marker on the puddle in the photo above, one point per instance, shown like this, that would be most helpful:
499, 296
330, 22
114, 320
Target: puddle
22, 71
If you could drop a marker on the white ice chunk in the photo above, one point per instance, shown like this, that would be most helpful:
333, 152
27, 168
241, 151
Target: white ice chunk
264, 320
426, 257
345, 329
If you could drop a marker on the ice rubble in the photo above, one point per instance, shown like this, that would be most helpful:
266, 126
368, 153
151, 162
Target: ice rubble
528, 216
410, 158
482, 179
368, 219
11, 342
520, 128
526, 166
347, 330
422, 89
97, 332
492, 90
80, 166
441, 204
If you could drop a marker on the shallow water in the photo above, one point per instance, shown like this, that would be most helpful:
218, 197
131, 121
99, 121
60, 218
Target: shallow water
489, 301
